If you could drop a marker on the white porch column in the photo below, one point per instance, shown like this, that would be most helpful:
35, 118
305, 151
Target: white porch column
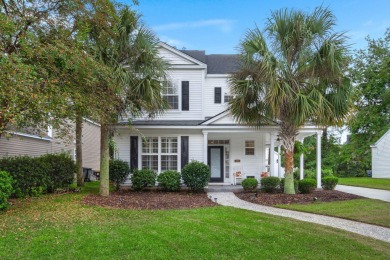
279, 163
205, 143
272, 155
319, 134
301, 176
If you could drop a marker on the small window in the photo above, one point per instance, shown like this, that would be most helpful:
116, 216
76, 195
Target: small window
227, 98
250, 147
217, 95
171, 95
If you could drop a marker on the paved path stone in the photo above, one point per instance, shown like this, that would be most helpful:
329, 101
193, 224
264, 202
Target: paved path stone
377, 232
366, 192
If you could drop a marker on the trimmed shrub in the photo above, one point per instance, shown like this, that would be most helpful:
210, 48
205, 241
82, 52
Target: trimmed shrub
143, 178
196, 175
249, 184
29, 174
118, 172
329, 183
309, 174
34, 176
5, 189
270, 184
307, 185
296, 182
60, 170
326, 173
169, 180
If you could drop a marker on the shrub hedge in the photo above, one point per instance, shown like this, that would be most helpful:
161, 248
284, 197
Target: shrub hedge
118, 172
5, 189
143, 178
270, 184
249, 184
329, 183
307, 185
169, 180
196, 175
60, 171
36, 175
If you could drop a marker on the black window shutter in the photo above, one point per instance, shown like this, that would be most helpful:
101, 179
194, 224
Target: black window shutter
185, 95
184, 151
133, 153
217, 95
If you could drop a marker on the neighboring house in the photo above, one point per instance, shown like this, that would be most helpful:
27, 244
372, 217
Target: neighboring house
198, 126
381, 157
19, 144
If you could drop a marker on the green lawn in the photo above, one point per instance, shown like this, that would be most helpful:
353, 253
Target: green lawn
370, 211
61, 227
383, 184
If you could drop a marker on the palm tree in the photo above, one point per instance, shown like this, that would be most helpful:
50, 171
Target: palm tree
292, 73
130, 50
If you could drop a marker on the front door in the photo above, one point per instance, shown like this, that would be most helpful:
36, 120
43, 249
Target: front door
215, 161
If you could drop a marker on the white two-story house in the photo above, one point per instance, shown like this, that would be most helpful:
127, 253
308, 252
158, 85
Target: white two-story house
198, 126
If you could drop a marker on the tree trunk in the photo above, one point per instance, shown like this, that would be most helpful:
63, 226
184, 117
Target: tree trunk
79, 152
104, 158
289, 176
288, 133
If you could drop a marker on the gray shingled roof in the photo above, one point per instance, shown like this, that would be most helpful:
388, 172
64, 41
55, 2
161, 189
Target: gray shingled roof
222, 63
199, 55
216, 63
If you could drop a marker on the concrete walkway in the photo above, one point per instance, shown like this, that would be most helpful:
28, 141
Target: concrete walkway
366, 192
377, 232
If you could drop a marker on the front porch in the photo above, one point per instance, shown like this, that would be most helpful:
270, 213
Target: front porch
236, 154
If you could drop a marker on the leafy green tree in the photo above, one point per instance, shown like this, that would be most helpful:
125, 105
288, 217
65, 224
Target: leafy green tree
121, 42
29, 93
292, 73
371, 112
46, 75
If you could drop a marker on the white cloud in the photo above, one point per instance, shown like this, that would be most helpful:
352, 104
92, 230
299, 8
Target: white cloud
173, 42
223, 25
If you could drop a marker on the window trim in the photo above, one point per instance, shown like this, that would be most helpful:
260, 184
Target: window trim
178, 94
250, 147
227, 95
220, 95
159, 151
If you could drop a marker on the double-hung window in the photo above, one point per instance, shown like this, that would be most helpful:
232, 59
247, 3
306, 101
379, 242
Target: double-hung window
249, 147
150, 153
160, 153
227, 98
168, 153
171, 94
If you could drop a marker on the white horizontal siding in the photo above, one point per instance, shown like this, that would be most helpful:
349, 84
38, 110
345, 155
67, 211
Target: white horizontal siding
173, 58
195, 78
211, 109
381, 158
195, 149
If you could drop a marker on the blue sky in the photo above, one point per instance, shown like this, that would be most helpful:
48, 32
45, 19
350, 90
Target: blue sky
218, 26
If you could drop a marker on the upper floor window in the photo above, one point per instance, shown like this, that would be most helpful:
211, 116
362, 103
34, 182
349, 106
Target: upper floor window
217, 95
171, 94
227, 98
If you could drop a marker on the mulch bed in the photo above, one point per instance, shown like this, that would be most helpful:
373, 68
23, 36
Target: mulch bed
152, 200
270, 199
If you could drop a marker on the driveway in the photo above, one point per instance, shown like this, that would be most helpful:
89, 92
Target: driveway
366, 192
